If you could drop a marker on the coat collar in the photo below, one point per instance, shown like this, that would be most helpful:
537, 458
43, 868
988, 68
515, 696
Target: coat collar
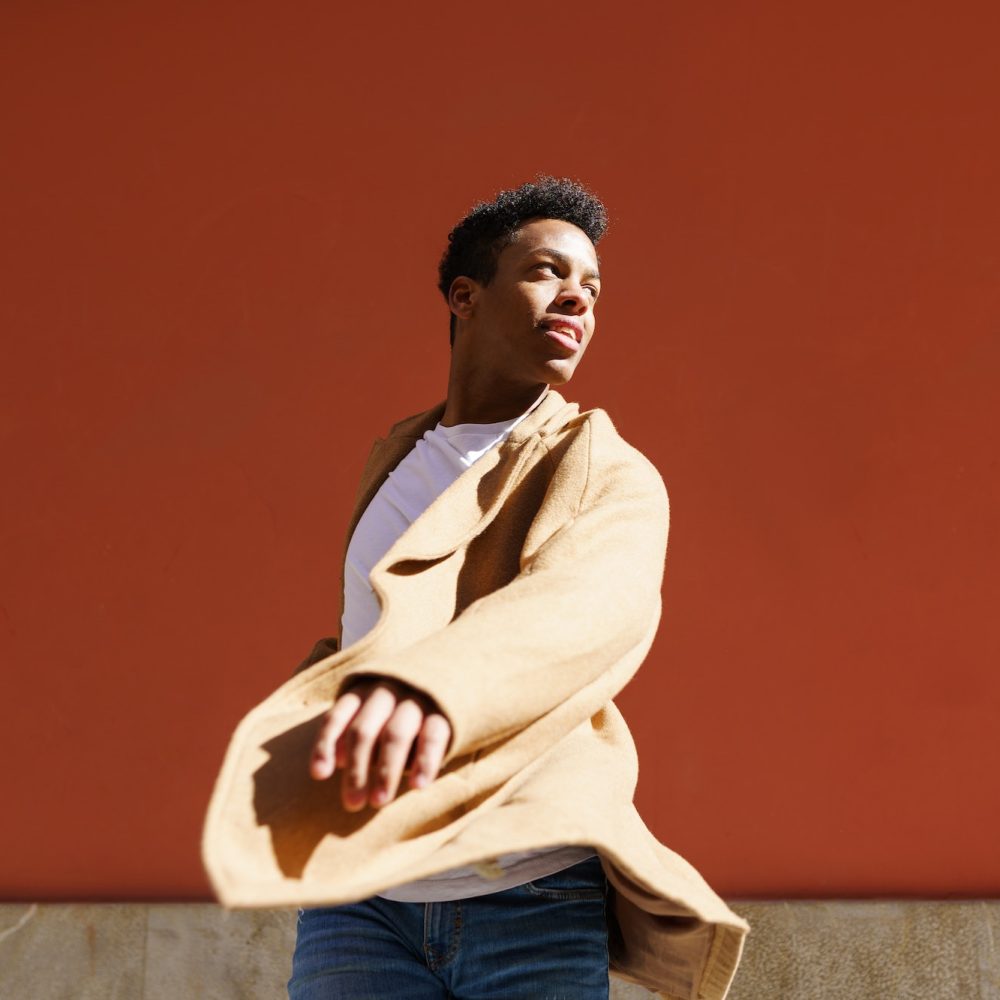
474, 498
551, 405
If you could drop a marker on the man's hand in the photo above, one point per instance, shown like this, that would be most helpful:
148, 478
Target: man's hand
371, 733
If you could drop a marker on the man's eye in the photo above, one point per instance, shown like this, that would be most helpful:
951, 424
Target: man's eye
546, 266
593, 290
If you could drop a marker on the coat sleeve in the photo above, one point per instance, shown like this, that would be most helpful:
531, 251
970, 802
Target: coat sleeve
322, 648
586, 599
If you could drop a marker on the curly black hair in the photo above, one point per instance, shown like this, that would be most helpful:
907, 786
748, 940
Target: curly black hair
475, 244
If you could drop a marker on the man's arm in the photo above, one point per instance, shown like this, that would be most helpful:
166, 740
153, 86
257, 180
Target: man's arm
590, 595
589, 598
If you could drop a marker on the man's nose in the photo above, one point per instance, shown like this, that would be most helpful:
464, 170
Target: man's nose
573, 297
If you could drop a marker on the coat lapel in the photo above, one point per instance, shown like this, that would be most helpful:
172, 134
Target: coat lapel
471, 502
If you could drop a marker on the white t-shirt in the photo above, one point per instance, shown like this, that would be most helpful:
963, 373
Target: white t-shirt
435, 462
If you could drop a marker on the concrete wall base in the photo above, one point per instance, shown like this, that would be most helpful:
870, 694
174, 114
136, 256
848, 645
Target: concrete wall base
797, 951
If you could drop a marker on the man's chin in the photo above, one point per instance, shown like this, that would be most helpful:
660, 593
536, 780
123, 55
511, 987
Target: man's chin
560, 371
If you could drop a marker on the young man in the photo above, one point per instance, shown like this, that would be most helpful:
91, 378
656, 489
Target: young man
501, 585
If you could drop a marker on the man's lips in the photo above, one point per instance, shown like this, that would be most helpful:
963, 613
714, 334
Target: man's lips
565, 331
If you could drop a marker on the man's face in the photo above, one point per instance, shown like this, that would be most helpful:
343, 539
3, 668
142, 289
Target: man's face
533, 321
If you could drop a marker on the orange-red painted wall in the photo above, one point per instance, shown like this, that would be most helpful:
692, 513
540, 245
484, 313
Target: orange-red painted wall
220, 230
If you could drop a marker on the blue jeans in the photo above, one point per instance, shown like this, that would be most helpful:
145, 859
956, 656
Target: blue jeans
544, 940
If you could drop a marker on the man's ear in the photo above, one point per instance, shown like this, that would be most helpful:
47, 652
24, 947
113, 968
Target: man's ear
462, 296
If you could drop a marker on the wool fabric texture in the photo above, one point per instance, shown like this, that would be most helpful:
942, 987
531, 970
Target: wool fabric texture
521, 601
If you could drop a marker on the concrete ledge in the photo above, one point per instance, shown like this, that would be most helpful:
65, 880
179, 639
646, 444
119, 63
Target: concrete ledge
870, 951
797, 951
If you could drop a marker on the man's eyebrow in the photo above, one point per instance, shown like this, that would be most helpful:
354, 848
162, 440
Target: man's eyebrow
566, 262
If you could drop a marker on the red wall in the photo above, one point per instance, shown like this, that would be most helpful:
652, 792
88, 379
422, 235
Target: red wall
220, 230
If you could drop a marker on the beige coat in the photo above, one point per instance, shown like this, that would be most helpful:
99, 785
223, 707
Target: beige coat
521, 601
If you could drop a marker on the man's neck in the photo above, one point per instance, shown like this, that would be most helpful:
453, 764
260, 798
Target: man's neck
484, 401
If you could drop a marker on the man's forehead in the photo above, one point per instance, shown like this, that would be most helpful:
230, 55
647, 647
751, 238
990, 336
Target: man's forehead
539, 234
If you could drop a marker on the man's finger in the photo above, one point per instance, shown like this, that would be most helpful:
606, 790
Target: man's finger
361, 736
393, 750
321, 764
432, 742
